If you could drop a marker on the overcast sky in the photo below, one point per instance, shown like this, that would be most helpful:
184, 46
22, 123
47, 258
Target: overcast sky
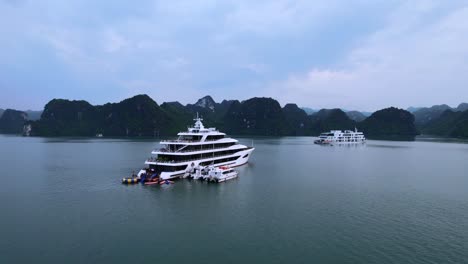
353, 54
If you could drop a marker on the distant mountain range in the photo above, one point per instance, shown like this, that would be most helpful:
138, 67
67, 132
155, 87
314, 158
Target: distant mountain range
141, 116
448, 124
412, 109
425, 114
354, 115
309, 110
32, 115
460, 108
442, 120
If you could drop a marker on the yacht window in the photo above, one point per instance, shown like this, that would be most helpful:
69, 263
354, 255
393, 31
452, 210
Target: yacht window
214, 137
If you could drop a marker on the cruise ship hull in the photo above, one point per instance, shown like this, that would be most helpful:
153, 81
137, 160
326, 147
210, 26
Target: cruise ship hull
338, 137
334, 142
243, 158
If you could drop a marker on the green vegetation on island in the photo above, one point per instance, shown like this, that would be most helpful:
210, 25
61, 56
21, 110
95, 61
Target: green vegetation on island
12, 121
448, 124
356, 116
141, 116
137, 116
330, 119
442, 120
390, 123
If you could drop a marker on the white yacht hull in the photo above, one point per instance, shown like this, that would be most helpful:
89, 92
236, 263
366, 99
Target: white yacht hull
244, 156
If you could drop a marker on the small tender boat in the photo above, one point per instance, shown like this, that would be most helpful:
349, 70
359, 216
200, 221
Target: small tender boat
148, 176
199, 173
221, 174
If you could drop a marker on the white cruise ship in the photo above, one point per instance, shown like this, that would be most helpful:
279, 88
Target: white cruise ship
199, 146
341, 137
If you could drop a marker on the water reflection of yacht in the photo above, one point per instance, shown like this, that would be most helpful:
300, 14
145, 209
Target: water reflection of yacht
197, 147
341, 137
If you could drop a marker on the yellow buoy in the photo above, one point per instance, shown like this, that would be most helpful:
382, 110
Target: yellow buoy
129, 180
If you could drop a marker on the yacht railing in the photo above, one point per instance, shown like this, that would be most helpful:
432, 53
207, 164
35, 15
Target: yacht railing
159, 160
165, 150
185, 160
205, 130
180, 140
188, 140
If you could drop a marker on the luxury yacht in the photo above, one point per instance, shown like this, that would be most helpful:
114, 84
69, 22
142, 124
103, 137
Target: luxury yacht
194, 148
341, 137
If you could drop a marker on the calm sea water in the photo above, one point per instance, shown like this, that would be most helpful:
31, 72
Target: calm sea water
296, 202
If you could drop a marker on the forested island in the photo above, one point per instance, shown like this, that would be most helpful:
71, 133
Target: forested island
443, 120
141, 116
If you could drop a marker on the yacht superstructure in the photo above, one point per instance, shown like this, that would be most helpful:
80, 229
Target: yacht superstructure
198, 146
341, 137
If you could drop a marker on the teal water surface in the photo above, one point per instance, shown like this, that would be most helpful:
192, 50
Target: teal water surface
295, 202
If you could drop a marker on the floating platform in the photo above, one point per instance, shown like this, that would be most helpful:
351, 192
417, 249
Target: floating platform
130, 180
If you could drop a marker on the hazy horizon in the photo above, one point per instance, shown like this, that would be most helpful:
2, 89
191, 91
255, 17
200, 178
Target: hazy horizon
358, 55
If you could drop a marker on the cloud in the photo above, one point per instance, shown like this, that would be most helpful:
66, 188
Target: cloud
13, 2
175, 63
114, 41
419, 57
332, 53
283, 17
75, 49
257, 68
313, 87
